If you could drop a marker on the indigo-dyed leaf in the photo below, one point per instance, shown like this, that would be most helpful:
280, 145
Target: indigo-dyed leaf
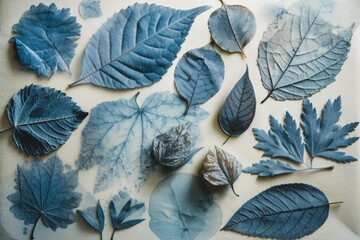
269, 168
136, 46
94, 217
301, 52
288, 211
46, 39
232, 27
323, 136
199, 75
90, 9
45, 191
221, 168
181, 208
238, 111
119, 136
42, 119
282, 141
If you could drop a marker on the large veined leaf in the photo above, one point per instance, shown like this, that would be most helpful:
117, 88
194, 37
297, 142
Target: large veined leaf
45, 191
269, 168
199, 75
232, 27
238, 111
45, 39
90, 9
181, 208
119, 136
136, 46
288, 211
301, 52
42, 119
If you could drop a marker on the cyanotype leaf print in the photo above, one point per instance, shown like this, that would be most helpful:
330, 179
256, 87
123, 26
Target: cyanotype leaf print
288, 211
301, 52
221, 168
324, 136
238, 111
119, 136
232, 27
90, 9
269, 168
42, 119
45, 191
45, 39
283, 141
136, 46
199, 75
182, 208
94, 217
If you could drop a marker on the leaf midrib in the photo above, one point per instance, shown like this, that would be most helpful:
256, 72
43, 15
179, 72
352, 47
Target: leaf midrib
41, 122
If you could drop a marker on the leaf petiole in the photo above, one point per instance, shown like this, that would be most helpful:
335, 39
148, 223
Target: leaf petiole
33, 229
6, 130
317, 169
112, 235
232, 188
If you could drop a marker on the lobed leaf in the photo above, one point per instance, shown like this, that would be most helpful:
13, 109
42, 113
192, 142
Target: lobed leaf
269, 168
96, 222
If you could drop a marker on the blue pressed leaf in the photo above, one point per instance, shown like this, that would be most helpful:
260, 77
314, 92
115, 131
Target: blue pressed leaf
45, 39
136, 46
119, 136
269, 168
282, 141
129, 223
323, 136
199, 75
94, 217
42, 119
300, 52
288, 211
45, 191
238, 111
232, 27
181, 208
90, 9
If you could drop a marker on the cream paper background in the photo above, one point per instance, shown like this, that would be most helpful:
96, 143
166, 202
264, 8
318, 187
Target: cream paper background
341, 184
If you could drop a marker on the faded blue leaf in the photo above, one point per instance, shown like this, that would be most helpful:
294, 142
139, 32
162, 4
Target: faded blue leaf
323, 136
136, 46
90, 9
301, 52
238, 111
232, 27
45, 191
269, 168
46, 39
42, 119
221, 168
182, 208
119, 136
199, 75
94, 217
282, 141
288, 211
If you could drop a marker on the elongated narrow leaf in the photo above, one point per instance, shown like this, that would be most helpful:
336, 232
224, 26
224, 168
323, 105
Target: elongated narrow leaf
323, 136
221, 168
288, 211
199, 75
232, 27
301, 52
42, 119
94, 217
45, 39
269, 168
238, 111
136, 46
90, 9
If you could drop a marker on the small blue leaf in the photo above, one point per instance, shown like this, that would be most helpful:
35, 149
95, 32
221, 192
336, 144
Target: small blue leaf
199, 75
136, 46
238, 111
95, 222
90, 9
42, 118
46, 39
288, 211
129, 224
124, 212
268, 168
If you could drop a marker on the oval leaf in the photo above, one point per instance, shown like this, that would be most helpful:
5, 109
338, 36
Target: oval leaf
199, 75
232, 27
46, 39
90, 9
288, 211
136, 46
238, 111
42, 118
221, 168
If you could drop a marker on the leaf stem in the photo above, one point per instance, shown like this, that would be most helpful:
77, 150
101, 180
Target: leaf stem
333, 203
187, 109
266, 97
33, 229
227, 139
232, 188
75, 83
100, 235
3, 131
317, 169
112, 235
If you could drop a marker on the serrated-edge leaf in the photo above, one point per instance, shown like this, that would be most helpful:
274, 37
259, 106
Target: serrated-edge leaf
269, 168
